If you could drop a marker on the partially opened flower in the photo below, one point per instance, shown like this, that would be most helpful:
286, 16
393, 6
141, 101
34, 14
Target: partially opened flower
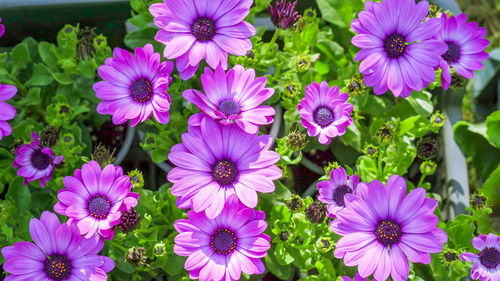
224, 247
35, 162
325, 111
283, 14
232, 97
57, 253
7, 111
193, 31
466, 44
215, 161
134, 87
332, 191
382, 228
94, 200
398, 51
487, 262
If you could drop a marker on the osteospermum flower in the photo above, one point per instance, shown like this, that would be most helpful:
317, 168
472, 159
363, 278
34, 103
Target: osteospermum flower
397, 48
215, 161
325, 111
35, 162
232, 97
332, 191
283, 14
466, 44
487, 263
94, 200
222, 248
134, 87
57, 253
7, 111
2, 28
196, 30
383, 228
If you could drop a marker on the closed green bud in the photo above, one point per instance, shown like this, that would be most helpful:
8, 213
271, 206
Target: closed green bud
325, 244
136, 179
449, 257
478, 201
385, 134
160, 249
437, 119
428, 167
370, 150
295, 203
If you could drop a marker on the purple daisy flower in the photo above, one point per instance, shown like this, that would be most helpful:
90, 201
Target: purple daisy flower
466, 45
215, 161
2, 28
7, 111
222, 248
398, 51
197, 30
134, 87
332, 192
232, 97
382, 228
487, 263
325, 111
35, 162
94, 200
356, 278
58, 253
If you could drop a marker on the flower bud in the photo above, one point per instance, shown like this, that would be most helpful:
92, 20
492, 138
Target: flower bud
49, 136
295, 204
478, 201
385, 134
283, 14
296, 140
316, 212
129, 220
136, 179
427, 148
428, 167
136, 256
103, 155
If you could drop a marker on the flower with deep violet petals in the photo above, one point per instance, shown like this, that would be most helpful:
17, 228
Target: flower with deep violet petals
325, 111
356, 278
35, 162
222, 248
215, 161
332, 191
7, 111
283, 14
382, 228
2, 28
487, 263
57, 253
134, 87
398, 51
193, 31
94, 200
232, 97
466, 44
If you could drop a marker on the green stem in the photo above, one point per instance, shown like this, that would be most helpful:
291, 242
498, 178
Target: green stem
380, 169
116, 245
273, 40
421, 180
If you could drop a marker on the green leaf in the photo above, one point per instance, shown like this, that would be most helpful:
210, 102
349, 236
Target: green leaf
283, 272
329, 13
41, 76
20, 56
493, 128
490, 187
47, 55
422, 103
32, 98
62, 78
19, 194
175, 264
142, 37
282, 255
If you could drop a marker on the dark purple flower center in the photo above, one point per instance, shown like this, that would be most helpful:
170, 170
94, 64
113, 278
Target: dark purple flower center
489, 257
203, 29
57, 267
323, 116
99, 206
229, 107
223, 241
338, 194
388, 232
394, 45
40, 160
453, 53
224, 172
141, 90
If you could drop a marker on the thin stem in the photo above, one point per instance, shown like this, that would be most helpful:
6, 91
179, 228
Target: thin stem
273, 40
421, 180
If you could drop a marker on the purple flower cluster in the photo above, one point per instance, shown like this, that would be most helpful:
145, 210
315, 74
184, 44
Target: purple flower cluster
401, 48
487, 263
57, 252
35, 162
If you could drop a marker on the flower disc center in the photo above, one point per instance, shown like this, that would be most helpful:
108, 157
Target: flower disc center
203, 29
453, 53
57, 267
395, 45
99, 206
223, 241
40, 160
323, 116
339, 193
229, 107
388, 232
489, 257
224, 172
141, 90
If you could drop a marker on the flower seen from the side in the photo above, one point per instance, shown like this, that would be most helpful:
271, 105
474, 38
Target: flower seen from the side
224, 247
398, 51
332, 191
35, 162
382, 228
215, 161
57, 253
193, 31
134, 86
283, 14
232, 97
325, 111
7, 111
466, 44
486, 264
94, 200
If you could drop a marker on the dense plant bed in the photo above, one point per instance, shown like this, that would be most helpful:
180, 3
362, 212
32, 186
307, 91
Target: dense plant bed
250, 140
